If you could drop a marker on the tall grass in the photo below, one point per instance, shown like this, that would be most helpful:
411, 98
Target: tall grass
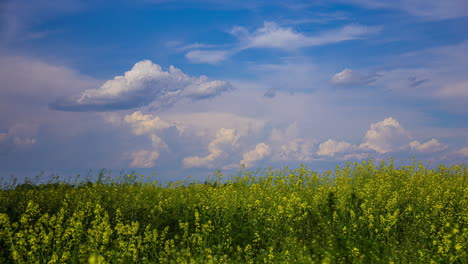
359, 213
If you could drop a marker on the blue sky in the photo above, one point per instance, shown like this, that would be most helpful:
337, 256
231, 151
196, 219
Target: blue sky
187, 87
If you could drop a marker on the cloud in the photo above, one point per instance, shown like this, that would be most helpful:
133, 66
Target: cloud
207, 56
146, 83
349, 77
463, 151
26, 76
270, 93
24, 141
432, 145
260, 151
21, 135
143, 124
298, 149
290, 75
150, 125
208, 124
289, 146
332, 147
3, 136
356, 156
19, 17
458, 90
272, 35
174, 133
225, 140
143, 159
427, 9
385, 136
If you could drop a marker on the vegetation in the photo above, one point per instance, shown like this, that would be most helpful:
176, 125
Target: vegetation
359, 213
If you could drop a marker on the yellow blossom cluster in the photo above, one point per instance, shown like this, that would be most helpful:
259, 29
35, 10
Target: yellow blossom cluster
359, 213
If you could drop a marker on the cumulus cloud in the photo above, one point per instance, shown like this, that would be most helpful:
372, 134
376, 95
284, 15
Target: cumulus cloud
350, 77
174, 133
146, 83
291, 132
332, 147
385, 136
432, 145
148, 125
143, 159
296, 149
143, 124
272, 35
260, 151
225, 140
289, 146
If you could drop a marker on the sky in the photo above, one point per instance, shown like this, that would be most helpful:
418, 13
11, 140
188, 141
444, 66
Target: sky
184, 88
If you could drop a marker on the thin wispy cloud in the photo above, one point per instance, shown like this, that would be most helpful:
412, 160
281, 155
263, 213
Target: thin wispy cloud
273, 36
348, 77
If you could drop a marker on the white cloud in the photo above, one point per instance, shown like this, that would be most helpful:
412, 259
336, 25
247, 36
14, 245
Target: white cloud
297, 149
168, 131
225, 140
180, 47
143, 124
272, 35
385, 136
146, 83
207, 56
260, 151
350, 77
143, 159
332, 147
432, 145
289, 146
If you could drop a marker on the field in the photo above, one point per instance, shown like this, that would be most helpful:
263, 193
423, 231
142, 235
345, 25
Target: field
360, 213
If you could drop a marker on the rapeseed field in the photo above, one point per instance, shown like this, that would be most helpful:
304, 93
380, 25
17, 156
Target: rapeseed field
361, 213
